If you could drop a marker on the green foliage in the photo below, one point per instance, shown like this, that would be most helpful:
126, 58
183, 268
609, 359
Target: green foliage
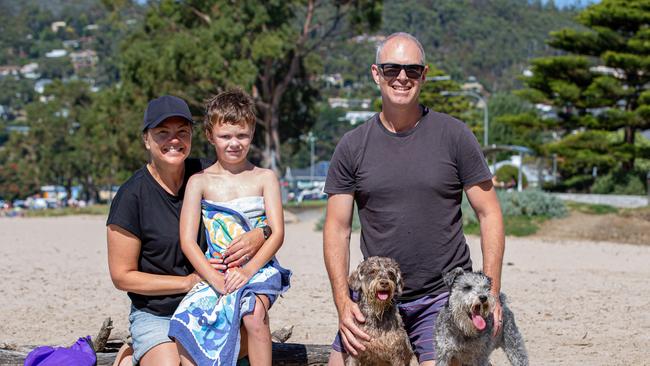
68, 211
513, 225
430, 95
329, 128
598, 87
591, 209
510, 173
619, 182
191, 50
488, 39
530, 203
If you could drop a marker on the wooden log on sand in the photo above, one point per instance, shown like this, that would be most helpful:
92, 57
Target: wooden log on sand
284, 354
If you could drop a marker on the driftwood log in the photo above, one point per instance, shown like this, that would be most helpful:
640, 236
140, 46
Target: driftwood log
284, 354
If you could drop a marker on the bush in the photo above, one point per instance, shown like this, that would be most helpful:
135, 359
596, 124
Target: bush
619, 183
507, 173
531, 203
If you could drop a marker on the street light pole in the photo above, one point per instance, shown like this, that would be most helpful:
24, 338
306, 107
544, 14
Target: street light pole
311, 139
486, 125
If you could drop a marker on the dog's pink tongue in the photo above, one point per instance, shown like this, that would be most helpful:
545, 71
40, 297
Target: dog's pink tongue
478, 321
382, 295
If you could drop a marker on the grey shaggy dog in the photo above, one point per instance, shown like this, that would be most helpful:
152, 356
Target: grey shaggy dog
464, 327
378, 281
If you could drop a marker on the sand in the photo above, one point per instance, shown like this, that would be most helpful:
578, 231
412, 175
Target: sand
576, 302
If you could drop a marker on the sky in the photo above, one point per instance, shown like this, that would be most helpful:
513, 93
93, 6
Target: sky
563, 3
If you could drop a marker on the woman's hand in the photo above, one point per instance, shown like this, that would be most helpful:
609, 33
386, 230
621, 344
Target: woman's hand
236, 278
218, 264
243, 248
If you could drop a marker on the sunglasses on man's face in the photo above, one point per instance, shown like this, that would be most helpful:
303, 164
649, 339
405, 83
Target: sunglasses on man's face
392, 70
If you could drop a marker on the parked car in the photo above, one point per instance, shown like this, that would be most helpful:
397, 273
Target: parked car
19, 204
311, 194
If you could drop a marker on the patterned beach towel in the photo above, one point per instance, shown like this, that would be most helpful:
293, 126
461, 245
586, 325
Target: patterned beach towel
207, 323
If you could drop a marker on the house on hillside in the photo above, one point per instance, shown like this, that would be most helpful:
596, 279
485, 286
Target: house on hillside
56, 25
56, 53
29, 71
84, 59
9, 70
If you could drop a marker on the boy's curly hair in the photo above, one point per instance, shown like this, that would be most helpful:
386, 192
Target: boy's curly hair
234, 107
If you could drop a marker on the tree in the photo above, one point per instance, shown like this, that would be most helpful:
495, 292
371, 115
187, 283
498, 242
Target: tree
197, 48
597, 88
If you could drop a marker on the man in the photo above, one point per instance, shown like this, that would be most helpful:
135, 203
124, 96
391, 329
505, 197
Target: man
406, 169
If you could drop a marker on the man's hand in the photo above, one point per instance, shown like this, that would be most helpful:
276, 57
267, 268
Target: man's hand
244, 247
498, 317
352, 336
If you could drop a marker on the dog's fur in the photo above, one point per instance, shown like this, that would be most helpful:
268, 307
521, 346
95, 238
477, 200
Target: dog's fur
458, 337
378, 281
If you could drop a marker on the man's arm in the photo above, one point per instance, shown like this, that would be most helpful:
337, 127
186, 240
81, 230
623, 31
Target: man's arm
485, 203
336, 251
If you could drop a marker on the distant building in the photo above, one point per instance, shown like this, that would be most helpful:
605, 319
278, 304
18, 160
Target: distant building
29, 70
56, 53
332, 80
18, 129
348, 103
56, 25
84, 59
355, 117
71, 43
9, 70
364, 38
40, 85
91, 27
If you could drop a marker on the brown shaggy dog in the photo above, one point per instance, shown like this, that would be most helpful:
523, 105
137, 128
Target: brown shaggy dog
377, 281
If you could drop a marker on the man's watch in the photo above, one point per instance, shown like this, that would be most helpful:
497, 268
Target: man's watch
267, 231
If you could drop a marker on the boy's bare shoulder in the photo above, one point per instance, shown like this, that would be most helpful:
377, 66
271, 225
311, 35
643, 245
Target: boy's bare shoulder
264, 173
198, 178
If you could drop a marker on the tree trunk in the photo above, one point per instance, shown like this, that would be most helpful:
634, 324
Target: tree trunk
628, 165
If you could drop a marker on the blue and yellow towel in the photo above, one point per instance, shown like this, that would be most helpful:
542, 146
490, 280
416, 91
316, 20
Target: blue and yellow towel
207, 323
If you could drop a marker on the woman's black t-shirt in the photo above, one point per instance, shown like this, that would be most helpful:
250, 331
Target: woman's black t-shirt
143, 208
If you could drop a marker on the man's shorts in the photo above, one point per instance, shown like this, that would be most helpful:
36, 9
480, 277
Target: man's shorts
147, 331
419, 318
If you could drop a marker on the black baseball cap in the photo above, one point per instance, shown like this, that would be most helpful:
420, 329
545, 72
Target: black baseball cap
164, 107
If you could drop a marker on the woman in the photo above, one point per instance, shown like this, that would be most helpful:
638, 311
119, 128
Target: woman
144, 254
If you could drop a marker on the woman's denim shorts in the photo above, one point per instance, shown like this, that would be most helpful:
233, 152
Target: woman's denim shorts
147, 331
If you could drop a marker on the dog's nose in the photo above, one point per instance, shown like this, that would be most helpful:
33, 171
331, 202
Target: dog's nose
383, 282
483, 298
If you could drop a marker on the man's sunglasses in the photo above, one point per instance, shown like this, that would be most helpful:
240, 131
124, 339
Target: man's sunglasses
392, 70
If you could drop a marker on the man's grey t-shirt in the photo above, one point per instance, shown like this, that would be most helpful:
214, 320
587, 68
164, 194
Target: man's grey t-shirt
408, 188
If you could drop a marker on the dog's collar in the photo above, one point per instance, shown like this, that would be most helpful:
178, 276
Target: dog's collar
355, 296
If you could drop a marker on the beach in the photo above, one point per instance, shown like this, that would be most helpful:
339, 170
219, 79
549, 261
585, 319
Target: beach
575, 301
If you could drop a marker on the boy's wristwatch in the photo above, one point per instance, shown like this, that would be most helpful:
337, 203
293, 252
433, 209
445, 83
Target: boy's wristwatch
267, 231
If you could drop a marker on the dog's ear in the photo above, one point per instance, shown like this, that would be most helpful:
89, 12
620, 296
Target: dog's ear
355, 280
400, 281
451, 276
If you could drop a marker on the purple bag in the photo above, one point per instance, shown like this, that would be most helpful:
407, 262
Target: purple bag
79, 354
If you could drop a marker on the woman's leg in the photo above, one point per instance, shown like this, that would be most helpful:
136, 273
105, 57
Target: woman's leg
259, 333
